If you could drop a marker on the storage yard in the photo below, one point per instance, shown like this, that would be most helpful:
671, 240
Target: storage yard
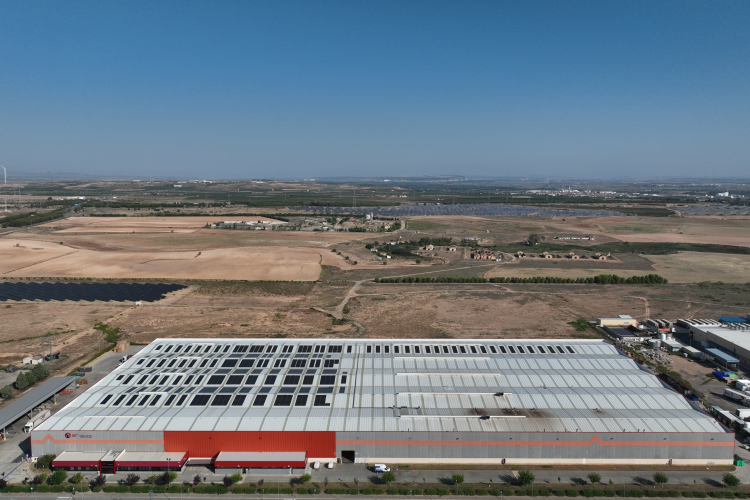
440, 401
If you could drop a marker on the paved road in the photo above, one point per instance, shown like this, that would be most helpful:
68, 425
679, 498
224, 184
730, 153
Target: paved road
348, 472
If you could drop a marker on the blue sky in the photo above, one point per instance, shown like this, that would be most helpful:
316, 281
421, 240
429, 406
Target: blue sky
314, 88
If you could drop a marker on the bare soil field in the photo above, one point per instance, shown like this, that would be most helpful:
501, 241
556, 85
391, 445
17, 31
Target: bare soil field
133, 224
41, 259
697, 266
500, 230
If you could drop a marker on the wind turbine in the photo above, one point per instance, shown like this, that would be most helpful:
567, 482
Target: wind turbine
5, 176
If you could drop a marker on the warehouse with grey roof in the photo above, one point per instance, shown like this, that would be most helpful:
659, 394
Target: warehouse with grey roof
242, 403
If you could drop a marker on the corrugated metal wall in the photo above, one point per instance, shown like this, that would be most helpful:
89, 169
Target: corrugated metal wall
210, 443
444, 447
55, 442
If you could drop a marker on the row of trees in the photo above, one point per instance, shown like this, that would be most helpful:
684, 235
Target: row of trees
33, 218
25, 380
602, 279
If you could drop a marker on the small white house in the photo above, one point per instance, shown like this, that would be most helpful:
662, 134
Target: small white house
32, 361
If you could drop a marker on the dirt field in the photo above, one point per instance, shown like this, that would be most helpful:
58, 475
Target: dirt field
686, 267
498, 230
134, 224
42, 259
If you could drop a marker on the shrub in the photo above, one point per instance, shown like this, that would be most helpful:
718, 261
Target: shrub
457, 478
42, 488
237, 478
3, 484
366, 491
595, 477
57, 477
479, 492
100, 480
76, 478
305, 478
228, 481
730, 480
302, 491
571, 493
652, 493
544, 493
96, 489
58, 488
431, 492
559, 493
588, 493
131, 480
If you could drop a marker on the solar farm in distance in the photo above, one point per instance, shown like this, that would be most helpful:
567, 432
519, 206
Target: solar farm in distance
88, 292
460, 209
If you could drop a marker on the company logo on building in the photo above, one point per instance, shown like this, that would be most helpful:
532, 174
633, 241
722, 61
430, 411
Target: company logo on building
68, 435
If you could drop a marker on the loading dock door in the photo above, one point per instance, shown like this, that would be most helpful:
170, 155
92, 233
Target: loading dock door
347, 456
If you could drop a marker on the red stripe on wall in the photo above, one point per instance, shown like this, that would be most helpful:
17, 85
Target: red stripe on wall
96, 441
591, 441
210, 443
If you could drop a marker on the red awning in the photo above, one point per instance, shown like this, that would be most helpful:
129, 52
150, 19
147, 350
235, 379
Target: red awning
267, 459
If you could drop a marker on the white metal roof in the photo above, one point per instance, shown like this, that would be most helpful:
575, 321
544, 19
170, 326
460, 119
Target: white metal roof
380, 385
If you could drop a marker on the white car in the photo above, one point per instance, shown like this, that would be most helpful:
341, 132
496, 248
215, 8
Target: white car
381, 468
329, 465
316, 465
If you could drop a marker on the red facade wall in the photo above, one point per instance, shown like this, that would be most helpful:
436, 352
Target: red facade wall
210, 443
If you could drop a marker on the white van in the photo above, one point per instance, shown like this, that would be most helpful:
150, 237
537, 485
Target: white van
316, 465
381, 468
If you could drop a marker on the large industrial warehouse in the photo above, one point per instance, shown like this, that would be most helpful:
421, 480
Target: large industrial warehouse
237, 404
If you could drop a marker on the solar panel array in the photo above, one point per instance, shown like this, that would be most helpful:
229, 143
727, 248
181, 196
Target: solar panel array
89, 292
716, 210
349, 385
460, 209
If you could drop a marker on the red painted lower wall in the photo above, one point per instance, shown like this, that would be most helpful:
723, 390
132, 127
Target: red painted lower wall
210, 443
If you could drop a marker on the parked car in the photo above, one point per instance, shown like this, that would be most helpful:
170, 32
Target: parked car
316, 465
329, 465
381, 468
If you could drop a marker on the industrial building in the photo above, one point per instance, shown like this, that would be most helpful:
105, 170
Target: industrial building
726, 342
238, 403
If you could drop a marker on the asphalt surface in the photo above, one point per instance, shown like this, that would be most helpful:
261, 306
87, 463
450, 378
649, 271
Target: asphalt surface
18, 444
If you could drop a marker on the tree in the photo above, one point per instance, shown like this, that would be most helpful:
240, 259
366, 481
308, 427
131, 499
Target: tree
45, 461
57, 477
227, 481
168, 477
21, 383
152, 479
6, 392
40, 371
3, 484
595, 477
660, 478
730, 480
237, 478
388, 477
76, 478
305, 478
100, 480
525, 477
457, 478
132, 479
533, 239
197, 480
38, 479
